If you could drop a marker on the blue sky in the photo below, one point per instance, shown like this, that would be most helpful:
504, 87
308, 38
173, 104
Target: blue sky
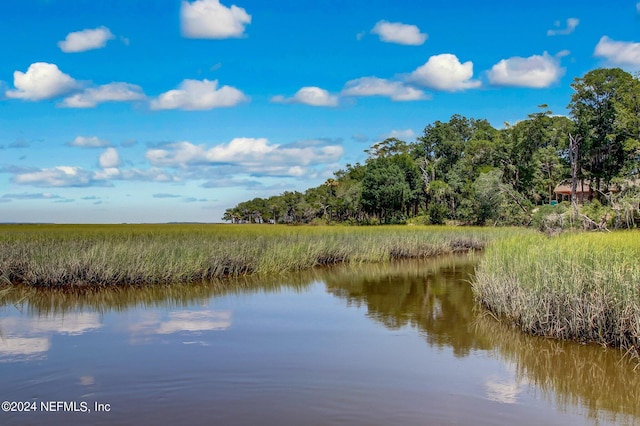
154, 111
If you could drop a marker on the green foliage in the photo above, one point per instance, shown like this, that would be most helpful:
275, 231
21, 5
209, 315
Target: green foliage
488, 196
602, 110
550, 219
597, 212
384, 189
465, 170
437, 213
421, 219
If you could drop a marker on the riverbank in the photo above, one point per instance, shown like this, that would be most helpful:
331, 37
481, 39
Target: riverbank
107, 255
583, 287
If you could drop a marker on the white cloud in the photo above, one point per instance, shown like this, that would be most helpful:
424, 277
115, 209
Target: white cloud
153, 174
397, 32
247, 155
59, 176
68, 176
210, 19
112, 92
618, 52
405, 135
41, 81
89, 142
536, 71
374, 86
109, 158
445, 72
88, 39
199, 95
314, 96
638, 7
572, 23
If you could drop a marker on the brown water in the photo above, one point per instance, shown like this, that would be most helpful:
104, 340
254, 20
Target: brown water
371, 345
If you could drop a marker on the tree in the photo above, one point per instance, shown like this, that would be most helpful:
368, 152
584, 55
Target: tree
387, 148
598, 97
627, 123
384, 189
440, 194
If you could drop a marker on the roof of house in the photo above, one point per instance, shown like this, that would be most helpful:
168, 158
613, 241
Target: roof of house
564, 187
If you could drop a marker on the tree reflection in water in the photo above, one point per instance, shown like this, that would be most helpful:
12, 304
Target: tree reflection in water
434, 297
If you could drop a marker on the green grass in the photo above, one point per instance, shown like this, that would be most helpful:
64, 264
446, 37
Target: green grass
63, 255
583, 287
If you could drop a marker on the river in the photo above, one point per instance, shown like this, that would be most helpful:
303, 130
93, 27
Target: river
398, 344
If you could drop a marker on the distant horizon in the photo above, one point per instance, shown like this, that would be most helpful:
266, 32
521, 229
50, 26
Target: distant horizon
129, 111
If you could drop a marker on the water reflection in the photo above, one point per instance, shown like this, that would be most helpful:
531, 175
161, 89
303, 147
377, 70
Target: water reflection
432, 297
186, 321
28, 339
23, 348
435, 298
56, 301
566, 373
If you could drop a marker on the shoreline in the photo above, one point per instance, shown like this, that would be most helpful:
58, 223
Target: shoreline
112, 255
583, 287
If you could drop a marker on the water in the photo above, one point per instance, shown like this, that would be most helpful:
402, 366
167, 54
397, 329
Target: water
371, 345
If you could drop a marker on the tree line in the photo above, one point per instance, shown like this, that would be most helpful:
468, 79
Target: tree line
467, 171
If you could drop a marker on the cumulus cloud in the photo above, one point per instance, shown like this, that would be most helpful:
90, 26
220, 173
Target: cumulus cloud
445, 72
536, 71
112, 92
247, 155
623, 53
199, 95
572, 23
311, 95
397, 32
210, 19
60, 176
89, 142
41, 81
109, 158
70, 176
89, 39
374, 86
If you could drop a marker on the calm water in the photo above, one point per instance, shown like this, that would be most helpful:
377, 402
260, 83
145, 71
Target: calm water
374, 345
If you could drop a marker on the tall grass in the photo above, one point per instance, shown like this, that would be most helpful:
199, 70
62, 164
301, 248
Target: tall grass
54, 255
584, 287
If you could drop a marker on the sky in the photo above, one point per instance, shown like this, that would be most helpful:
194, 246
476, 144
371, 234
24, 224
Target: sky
144, 111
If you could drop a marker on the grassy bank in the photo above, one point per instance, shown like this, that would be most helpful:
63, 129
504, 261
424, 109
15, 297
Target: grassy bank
583, 287
54, 255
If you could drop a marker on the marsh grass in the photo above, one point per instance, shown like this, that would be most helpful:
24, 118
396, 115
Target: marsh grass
104, 255
583, 287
